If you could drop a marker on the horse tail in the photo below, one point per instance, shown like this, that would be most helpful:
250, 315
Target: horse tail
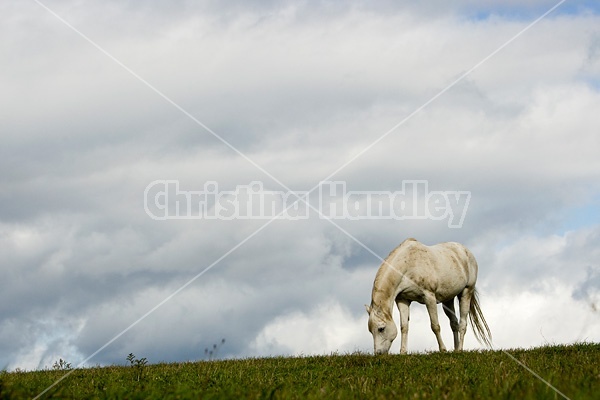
480, 327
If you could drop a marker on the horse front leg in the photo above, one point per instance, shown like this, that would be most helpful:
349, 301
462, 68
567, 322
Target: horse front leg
431, 304
404, 308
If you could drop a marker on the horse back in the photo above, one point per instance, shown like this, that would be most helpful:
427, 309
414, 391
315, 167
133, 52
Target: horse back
444, 269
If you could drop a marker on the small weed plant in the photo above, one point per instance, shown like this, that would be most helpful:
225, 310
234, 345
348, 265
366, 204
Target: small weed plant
61, 365
138, 365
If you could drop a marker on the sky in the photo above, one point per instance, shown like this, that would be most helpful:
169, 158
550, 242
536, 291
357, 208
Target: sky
100, 99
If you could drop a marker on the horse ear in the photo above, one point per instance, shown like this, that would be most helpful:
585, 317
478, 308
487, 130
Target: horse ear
368, 309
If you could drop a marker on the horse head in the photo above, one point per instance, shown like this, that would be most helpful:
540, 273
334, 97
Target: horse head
383, 329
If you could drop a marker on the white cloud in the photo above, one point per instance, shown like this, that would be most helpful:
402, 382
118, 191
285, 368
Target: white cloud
540, 316
329, 328
42, 342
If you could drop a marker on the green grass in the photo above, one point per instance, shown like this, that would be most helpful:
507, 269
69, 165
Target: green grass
573, 369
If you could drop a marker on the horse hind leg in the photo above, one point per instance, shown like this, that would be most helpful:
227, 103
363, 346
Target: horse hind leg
448, 307
431, 304
464, 304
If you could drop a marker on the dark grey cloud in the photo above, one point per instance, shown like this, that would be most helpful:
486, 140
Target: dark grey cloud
589, 287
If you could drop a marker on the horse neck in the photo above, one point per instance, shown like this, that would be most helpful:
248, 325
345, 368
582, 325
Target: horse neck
385, 289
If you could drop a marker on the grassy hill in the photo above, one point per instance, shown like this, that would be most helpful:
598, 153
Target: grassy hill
573, 369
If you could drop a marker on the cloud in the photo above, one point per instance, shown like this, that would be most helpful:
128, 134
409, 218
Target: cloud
300, 89
589, 289
330, 328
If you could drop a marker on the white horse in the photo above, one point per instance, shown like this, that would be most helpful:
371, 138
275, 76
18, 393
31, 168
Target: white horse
428, 275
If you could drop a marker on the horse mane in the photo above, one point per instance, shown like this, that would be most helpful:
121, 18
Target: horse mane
380, 278
400, 246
